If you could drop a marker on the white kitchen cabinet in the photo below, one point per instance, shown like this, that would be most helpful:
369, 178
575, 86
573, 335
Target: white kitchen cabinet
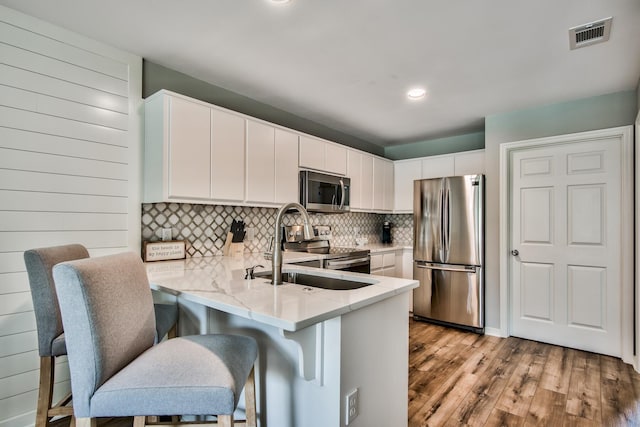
382, 184
177, 149
354, 172
322, 155
360, 172
405, 172
335, 159
366, 179
227, 156
189, 148
384, 263
438, 166
193, 152
272, 164
469, 162
261, 161
286, 172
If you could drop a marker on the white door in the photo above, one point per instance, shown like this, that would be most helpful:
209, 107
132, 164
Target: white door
566, 215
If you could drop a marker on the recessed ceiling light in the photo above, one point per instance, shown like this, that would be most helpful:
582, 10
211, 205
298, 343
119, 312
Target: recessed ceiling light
416, 93
280, 1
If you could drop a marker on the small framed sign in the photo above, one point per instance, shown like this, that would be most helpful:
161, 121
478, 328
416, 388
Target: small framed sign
165, 250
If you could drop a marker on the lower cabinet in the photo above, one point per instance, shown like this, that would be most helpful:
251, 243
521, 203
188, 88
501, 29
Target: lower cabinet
384, 264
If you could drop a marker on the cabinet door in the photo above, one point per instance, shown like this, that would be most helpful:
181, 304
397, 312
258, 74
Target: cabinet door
227, 156
335, 159
378, 184
388, 185
189, 149
469, 163
286, 183
260, 162
354, 162
311, 153
366, 175
405, 173
438, 166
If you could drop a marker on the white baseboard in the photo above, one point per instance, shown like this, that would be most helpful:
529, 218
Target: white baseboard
494, 332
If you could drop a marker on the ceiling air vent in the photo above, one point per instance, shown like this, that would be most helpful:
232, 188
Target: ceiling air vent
591, 33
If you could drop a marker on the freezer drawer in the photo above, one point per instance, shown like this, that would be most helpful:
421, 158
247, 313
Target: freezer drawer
449, 294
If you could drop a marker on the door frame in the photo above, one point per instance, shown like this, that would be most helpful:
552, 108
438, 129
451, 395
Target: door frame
625, 134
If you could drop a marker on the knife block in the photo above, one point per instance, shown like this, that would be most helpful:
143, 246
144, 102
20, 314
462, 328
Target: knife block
232, 249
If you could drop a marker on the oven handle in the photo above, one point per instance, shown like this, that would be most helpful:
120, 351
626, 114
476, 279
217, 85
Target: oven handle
336, 265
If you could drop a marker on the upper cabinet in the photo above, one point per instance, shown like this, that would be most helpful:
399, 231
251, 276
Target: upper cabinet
272, 164
227, 156
286, 173
322, 155
406, 171
177, 150
382, 184
192, 152
197, 152
189, 147
469, 163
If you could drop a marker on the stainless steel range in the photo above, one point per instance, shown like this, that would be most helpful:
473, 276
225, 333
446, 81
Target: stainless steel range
333, 258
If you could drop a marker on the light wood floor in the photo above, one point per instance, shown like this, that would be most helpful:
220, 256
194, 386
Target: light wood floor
458, 378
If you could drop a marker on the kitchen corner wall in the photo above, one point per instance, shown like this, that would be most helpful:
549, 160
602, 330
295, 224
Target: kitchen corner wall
205, 227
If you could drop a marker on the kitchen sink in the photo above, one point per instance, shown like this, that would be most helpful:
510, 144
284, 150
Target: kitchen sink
317, 281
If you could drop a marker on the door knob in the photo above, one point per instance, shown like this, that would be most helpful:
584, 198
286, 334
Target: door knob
515, 252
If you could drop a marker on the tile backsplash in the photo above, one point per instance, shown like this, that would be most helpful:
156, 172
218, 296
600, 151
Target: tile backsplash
205, 227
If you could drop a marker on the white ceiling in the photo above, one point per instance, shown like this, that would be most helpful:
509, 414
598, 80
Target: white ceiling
347, 64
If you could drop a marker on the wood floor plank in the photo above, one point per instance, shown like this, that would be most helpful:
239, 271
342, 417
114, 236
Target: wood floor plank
557, 371
547, 409
522, 385
438, 407
499, 418
476, 407
583, 397
573, 421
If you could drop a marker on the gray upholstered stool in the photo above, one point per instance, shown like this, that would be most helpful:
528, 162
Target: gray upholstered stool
51, 338
116, 370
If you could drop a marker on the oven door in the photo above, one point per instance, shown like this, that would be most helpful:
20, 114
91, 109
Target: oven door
360, 264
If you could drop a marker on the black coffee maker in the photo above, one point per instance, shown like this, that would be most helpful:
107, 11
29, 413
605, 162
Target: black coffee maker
386, 232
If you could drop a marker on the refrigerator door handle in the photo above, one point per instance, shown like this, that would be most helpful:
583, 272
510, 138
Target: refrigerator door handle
461, 268
442, 247
447, 221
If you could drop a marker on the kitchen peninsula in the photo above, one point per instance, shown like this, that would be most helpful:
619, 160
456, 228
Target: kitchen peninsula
316, 345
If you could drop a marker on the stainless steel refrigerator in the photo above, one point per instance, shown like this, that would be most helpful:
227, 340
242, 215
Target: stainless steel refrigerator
448, 251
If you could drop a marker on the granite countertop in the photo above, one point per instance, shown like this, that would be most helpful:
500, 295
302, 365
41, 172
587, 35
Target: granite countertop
218, 282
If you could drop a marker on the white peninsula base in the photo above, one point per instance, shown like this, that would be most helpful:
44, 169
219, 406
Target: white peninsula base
364, 349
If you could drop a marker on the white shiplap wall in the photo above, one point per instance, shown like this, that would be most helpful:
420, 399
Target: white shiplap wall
69, 172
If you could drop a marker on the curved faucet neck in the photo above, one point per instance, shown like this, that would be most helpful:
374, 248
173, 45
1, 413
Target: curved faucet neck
276, 259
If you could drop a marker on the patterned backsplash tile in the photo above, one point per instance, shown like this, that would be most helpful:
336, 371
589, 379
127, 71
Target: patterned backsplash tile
205, 227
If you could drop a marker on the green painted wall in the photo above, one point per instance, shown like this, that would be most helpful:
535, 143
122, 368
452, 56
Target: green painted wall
434, 147
599, 112
156, 77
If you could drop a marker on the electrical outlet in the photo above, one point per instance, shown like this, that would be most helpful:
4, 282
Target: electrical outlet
351, 406
166, 234
251, 234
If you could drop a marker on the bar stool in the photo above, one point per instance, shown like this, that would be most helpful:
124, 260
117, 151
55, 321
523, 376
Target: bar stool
117, 371
51, 338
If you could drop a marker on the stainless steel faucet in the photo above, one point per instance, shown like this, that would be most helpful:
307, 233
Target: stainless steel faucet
276, 259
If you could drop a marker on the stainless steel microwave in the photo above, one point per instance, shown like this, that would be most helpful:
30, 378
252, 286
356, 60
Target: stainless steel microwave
321, 192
